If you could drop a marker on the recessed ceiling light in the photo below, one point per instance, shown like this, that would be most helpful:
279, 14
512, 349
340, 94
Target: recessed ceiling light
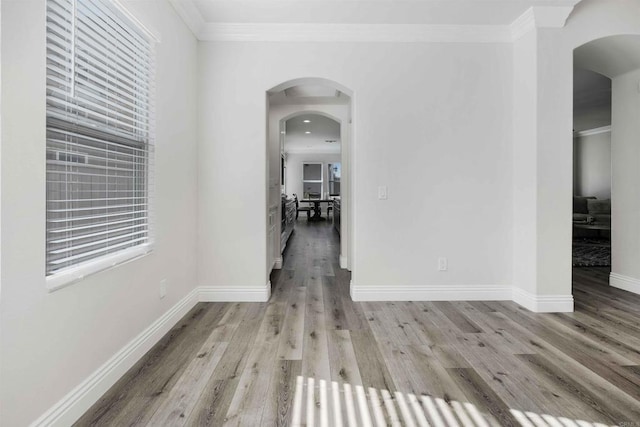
307, 121
307, 132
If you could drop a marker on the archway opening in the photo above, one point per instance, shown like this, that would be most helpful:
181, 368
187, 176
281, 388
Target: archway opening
309, 143
606, 159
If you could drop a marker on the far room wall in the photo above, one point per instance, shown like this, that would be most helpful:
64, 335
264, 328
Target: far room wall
294, 162
592, 133
434, 131
592, 165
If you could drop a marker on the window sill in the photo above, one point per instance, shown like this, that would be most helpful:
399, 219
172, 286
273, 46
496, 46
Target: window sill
75, 274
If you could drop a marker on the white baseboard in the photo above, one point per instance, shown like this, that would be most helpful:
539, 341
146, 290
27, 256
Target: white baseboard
79, 400
343, 261
234, 294
277, 264
430, 293
543, 303
623, 282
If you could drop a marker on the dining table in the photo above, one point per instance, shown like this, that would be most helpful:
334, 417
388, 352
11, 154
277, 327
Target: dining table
317, 211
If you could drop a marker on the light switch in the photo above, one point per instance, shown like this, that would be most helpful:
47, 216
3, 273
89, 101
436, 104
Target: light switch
382, 192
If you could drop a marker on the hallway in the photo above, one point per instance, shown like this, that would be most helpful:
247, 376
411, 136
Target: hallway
458, 363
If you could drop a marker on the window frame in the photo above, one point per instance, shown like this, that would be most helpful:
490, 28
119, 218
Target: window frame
77, 272
314, 181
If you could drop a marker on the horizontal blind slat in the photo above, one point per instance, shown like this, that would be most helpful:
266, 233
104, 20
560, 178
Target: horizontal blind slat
104, 207
96, 217
96, 117
100, 233
68, 249
128, 56
137, 36
108, 249
83, 136
104, 224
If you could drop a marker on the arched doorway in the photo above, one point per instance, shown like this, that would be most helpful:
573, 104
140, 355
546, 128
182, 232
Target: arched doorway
618, 58
287, 101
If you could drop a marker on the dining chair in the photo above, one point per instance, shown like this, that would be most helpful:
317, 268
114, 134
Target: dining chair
299, 208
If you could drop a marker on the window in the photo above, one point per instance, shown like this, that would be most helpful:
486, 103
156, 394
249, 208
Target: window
312, 180
334, 172
100, 67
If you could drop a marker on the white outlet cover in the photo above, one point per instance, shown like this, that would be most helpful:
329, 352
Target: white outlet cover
382, 192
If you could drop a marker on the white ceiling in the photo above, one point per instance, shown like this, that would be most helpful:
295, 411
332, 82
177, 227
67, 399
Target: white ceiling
369, 20
591, 100
442, 12
309, 94
595, 64
323, 129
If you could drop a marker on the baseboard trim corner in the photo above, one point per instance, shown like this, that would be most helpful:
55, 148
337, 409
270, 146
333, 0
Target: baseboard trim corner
430, 293
71, 407
625, 283
277, 264
234, 294
543, 303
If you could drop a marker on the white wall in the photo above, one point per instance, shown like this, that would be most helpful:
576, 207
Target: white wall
524, 163
294, 170
625, 208
592, 165
51, 342
431, 126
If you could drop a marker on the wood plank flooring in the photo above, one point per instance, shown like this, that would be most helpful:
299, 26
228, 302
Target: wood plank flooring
311, 356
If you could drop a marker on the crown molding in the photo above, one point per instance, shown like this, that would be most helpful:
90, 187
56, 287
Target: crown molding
523, 24
534, 17
190, 14
408, 33
540, 17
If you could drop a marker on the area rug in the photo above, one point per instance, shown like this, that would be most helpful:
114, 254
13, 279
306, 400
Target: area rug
591, 253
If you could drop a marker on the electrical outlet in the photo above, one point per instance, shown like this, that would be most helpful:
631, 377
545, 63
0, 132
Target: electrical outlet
163, 288
442, 264
382, 192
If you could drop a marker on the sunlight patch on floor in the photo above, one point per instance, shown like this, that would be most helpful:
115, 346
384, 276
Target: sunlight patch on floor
321, 403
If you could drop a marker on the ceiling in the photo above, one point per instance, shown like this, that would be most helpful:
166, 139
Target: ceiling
442, 12
595, 64
362, 20
322, 129
309, 94
591, 100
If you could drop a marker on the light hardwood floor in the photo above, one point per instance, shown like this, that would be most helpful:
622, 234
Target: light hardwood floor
312, 356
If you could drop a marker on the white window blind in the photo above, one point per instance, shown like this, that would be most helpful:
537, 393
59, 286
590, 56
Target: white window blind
100, 83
